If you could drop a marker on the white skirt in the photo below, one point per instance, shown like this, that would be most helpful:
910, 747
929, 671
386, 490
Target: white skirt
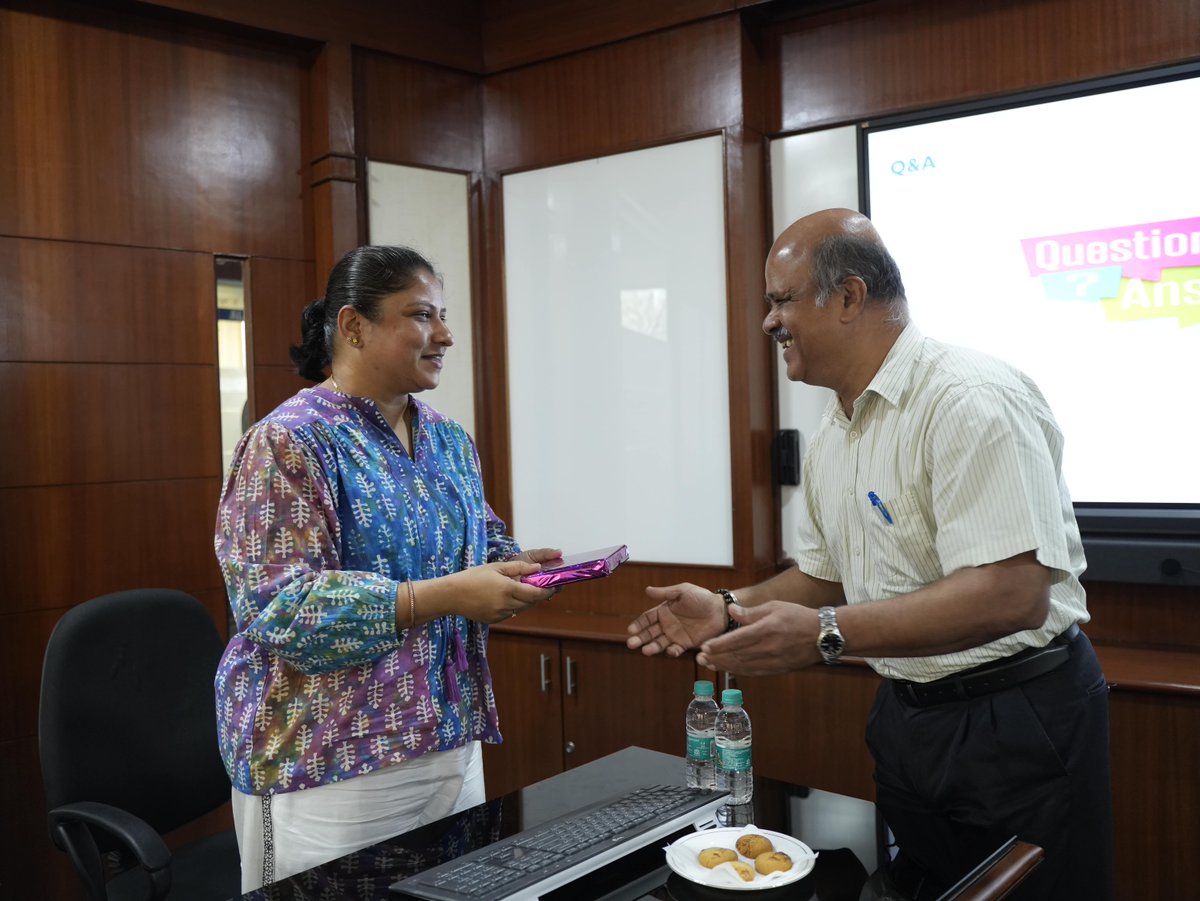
310, 827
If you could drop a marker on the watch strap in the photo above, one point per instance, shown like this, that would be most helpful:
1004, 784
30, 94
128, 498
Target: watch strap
830, 642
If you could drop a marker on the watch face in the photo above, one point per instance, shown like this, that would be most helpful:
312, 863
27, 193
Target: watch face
831, 643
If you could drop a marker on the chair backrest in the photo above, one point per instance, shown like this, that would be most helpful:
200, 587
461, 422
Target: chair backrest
127, 714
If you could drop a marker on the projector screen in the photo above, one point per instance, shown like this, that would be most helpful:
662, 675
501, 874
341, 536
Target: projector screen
1061, 233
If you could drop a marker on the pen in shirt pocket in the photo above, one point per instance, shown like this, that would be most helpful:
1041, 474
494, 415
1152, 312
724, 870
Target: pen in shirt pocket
879, 505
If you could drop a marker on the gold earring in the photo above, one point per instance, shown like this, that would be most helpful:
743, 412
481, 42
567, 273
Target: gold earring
354, 340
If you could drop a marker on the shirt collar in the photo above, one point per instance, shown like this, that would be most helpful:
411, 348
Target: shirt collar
895, 373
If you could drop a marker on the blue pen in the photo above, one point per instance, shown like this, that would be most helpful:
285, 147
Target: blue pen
878, 505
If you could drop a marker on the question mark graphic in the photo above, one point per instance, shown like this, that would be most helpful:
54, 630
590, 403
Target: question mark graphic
1082, 282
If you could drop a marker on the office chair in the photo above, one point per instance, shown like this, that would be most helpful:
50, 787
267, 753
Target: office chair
128, 744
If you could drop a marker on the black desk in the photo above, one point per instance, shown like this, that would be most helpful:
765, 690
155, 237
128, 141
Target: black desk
826, 822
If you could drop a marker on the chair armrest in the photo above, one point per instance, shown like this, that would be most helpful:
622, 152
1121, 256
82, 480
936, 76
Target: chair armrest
1007, 872
70, 827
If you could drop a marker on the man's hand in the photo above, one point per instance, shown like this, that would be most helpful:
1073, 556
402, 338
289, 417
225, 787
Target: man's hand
685, 616
775, 637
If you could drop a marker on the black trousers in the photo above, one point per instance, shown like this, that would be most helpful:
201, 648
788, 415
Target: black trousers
955, 780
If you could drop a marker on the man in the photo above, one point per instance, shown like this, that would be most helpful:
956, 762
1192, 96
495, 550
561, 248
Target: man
940, 544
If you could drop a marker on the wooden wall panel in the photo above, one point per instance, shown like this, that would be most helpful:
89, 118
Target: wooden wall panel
105, 422
333, 172
752, 402
446, 32
518, 32
65, 544
279, 290
892, 55
22, 645
148, 137
419, 115
337, 229
101, 303
331, 124
662, 87
1158, 828
491, 346
1163, 616
273, 385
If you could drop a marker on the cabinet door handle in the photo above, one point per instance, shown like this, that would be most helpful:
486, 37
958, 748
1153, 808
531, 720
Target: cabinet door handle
544, 665
569, 747
570, 677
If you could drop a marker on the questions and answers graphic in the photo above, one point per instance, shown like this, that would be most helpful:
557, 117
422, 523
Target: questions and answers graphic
1144, 271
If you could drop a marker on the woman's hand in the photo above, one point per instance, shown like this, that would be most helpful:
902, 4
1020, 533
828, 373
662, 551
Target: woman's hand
541, 555
489, 594
686, 616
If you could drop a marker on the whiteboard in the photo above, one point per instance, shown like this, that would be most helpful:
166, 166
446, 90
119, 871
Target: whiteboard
618, 356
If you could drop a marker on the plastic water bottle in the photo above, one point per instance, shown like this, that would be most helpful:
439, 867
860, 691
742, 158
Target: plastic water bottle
701, 725
734, 771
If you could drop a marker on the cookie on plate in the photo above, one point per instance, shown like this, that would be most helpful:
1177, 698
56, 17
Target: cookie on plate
713, 857
772, 861
752, 845
743, 869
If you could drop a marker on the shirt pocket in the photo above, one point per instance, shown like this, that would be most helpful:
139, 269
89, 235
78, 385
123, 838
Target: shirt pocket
907, 557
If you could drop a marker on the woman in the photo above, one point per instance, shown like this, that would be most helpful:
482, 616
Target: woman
362, 564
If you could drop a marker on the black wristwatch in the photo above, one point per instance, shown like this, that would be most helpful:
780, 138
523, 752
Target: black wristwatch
732, 623
829, 640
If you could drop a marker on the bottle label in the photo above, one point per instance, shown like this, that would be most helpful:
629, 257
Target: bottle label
699, 747
734, 760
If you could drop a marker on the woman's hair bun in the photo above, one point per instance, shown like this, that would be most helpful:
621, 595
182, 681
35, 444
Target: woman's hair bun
311, 355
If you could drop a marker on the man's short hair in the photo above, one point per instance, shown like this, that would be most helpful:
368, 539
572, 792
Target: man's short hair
837, 257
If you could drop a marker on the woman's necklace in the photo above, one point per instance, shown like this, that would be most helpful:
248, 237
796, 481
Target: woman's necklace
333, 382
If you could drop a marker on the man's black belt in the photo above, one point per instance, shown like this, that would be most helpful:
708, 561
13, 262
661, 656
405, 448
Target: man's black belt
990, 677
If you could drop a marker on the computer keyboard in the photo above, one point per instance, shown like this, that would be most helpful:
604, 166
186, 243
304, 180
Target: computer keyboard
533, 862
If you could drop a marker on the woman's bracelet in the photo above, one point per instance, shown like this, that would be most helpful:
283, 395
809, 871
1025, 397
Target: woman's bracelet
412, 604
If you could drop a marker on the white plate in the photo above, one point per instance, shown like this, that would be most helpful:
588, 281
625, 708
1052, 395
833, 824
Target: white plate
683, 858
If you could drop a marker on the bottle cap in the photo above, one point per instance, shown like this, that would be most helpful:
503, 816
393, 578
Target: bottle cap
703, 688
732, 696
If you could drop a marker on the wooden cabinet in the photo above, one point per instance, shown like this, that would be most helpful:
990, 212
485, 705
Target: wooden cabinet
564, 702
526, 679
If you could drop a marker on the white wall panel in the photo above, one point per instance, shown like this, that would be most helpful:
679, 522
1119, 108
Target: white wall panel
427, 210
814, 171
